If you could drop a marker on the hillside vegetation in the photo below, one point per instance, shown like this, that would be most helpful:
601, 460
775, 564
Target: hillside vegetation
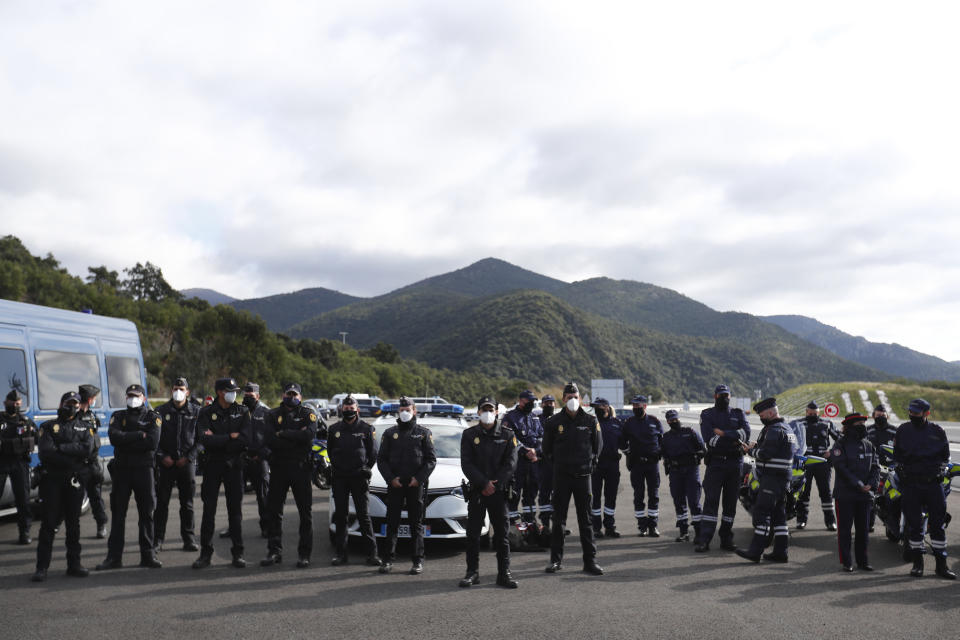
945, 397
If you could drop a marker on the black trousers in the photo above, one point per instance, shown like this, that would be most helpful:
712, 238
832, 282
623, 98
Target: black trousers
823, 474
565, 485
605, 481
853, 512
19, 473
343, 488
60, 498
496, 505
295, 477
230, 475
928, 497
545, 497
645, 479
97, 505
413, 499
140, 482
258, 473
770, 512
185, 480
722, 477
526, 488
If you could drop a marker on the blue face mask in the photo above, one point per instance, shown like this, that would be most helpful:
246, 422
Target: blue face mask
291, 403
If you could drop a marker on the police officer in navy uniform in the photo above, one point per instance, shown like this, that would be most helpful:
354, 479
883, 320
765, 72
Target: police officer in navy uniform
134, 433
65, 446
726, 434
881, 434
94, 488
921, 449
177, 463
571, 439
526, 483
774, 453
605, 480
291, 429
858, 471
256, 468
352, 448
405, 460
18, 436
640, 439
548, 406
819, 432
223, 428
488, 458
683, 449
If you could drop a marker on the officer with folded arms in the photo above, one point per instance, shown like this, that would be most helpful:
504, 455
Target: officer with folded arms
65, 446
353, 452
18, 436
572, 440
291, 428
641, 439
774, 453
224, 431
921, 449
94, 488
881, 434
256, 468
177, 463
682, 451
488, 457
405, 460
819, 433
858, 471
529, 432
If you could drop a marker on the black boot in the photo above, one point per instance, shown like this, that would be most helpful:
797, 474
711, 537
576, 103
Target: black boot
917, 570
24, 537
472, 578
652, 530
150, 561
611, 532
504, 577
942, 569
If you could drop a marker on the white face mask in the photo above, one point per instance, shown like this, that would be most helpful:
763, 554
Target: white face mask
487, 417
179, 395
573, 404
405, 416
134, 402
230, 397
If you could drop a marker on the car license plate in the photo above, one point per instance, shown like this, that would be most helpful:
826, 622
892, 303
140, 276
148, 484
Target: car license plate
403, 531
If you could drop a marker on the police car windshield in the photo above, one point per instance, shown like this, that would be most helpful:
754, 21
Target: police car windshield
446, 439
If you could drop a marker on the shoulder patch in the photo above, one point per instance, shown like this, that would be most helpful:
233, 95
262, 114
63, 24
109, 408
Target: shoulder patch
514, 440
279, 419
373, 432
93, 433
313, 417
113, 419
598, 426
158, 422
40, 431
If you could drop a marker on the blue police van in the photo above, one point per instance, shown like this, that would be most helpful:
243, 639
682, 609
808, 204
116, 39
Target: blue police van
45, 352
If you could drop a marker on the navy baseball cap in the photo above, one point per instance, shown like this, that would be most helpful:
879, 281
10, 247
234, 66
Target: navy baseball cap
70, 396
671, 414
487, 401
918, 405
251, 387
721, 388
226, 384
527, 395
880, 408
136, 389
548, 398
766, 403
812, 405
639, 399
599, 401
290, 386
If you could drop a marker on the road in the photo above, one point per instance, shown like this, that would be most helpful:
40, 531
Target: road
652, 588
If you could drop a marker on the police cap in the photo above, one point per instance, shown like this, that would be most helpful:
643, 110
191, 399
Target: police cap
640, 399
287, 388
14, 395
853, 418
571, 387
879, 409
251, 387
487, 401
404, 401
548, 398
671, 414
88, 391
226, 384
766, 403
527, 395
70, 396
812, 405
136, 389
600, 401
181, 382
918, 405
721, 388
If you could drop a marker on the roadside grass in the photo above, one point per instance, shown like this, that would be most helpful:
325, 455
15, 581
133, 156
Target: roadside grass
946, 402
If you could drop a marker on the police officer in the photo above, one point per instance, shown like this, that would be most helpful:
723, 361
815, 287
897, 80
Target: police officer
177, 463
65, 446
548, 405
726, 434
352, 448
18, 436
819, 432
529, 432
135, 434
921, 448
858, 471
256, 468
94, 488
605, 480
683, 449
774, 453
571, 439
291, 429
641, 438
488, 458
405, 460
223, 428
881, 434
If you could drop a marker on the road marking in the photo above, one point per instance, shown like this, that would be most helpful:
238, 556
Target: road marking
846, 401
891, 416
865, 399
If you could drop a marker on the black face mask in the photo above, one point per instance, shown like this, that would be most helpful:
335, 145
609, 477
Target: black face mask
813, 419
917, 420
601, 413
769, 421
250, 402
67, 413
11, 409
527, 408
674, 424
722, 402
291, 403
349, 414
881, 420
547, 411
639, 411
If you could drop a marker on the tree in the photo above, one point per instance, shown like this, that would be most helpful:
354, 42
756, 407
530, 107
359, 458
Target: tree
103, 279
383, 352
145, 282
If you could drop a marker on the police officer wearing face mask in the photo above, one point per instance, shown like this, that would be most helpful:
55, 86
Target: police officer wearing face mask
858, 471
641, 439
819, 432
683, 449
65, 446
353, 452
18, 435
526, 483
571, 439
94, 488
291, 429
256, 468
223, 428
921, 448
177, 463
774, 453
488, 456
726, 434
406, 460
548, 406
881, 434
605, 480
135, 434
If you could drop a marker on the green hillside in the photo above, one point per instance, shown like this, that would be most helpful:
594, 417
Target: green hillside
284, 310
945, 397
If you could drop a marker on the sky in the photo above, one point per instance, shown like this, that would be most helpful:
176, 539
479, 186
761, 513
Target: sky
764, 157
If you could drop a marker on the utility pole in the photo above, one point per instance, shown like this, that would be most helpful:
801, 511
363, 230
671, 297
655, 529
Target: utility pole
343, 337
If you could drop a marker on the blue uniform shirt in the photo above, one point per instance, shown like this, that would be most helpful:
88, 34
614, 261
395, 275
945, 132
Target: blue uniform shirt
528, 430
776, 447
611, 431
735, 429
819, 434
857, 465
682, 446
642, 436
920, 450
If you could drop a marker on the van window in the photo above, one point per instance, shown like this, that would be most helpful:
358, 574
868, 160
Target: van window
59, 372
13, 368
121, 373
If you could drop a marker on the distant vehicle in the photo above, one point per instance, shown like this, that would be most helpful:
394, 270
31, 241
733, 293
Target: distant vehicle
46, 352
427, 400
320, 405
446, 511
369, 407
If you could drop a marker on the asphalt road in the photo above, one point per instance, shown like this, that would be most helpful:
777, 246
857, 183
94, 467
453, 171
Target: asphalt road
653, 588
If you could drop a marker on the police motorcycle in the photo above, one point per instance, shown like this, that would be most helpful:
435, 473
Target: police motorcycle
321, 465
750, 485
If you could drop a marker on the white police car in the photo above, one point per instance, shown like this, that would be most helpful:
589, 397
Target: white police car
446, 510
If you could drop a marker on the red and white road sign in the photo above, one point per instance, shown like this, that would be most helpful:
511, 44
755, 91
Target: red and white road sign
831, 410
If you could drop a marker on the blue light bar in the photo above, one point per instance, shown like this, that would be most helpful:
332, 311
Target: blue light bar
449, 409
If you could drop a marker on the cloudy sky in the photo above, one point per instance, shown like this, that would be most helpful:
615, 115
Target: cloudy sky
763, 157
